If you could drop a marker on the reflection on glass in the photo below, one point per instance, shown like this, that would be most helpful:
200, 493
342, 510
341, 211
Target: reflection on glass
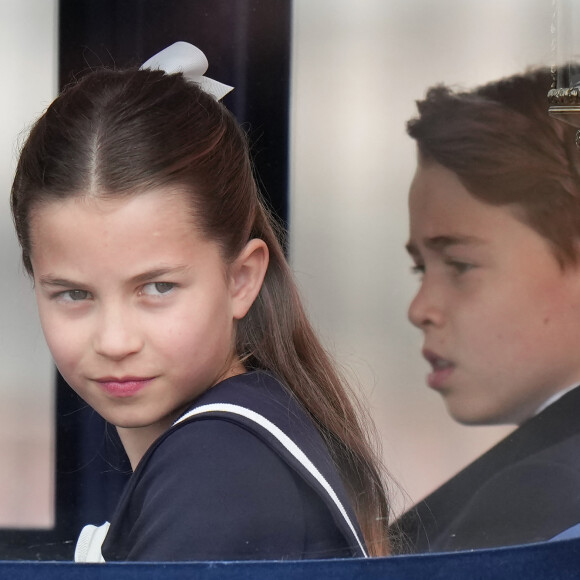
564, 96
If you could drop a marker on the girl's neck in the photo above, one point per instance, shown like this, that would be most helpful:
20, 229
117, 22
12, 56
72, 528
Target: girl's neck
137, 440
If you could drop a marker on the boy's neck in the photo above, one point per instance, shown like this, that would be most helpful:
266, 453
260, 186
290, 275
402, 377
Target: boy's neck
555, 397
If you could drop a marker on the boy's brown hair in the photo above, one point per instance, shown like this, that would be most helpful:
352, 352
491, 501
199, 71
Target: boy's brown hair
505, 148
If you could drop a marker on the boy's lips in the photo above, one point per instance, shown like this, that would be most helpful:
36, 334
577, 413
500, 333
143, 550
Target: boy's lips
442, 368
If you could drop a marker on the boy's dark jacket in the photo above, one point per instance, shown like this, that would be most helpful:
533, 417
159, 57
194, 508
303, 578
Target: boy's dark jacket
525, 489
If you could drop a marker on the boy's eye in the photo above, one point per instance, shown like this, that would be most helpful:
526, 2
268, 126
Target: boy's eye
158, 288
459, 267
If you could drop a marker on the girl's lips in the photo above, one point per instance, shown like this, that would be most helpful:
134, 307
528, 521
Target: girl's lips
123, 387
442, 369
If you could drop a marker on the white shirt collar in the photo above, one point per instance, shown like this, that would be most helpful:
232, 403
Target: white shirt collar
551, 400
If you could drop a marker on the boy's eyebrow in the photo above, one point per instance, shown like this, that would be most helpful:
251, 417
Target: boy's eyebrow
440, 243
154, 274
412, 249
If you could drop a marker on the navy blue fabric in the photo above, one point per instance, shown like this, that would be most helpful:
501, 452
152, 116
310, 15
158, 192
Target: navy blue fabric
552, 560
217, 486
524, 489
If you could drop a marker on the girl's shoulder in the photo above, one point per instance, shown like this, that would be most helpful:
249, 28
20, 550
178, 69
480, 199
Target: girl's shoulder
246, 437
257, 400
258, 390
260, 405
210, 490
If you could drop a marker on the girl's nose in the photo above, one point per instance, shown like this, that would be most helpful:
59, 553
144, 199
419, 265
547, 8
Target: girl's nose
117, 335
425, 309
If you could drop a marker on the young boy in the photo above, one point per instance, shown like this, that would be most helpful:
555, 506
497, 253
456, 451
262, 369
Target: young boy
494, 233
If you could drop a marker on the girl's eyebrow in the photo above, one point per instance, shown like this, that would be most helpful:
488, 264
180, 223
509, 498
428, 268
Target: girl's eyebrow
148, 276
159, 272
49, 280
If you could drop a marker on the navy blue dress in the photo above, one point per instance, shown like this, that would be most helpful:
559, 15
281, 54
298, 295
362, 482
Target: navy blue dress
244, 475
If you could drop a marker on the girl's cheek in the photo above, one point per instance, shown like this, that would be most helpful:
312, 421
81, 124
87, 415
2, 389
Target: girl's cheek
63, 343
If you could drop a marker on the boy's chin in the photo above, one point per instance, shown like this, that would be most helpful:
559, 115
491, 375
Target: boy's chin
478, 418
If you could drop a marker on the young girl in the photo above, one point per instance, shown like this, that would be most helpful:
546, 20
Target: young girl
494, 231
168, 306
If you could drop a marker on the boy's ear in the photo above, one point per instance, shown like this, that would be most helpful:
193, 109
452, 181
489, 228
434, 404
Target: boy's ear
247, 275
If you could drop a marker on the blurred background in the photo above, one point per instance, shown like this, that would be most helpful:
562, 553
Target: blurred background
355, 69
28, 41
358, 68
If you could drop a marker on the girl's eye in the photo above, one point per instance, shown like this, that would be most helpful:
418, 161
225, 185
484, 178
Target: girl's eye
158, 288
418, 269
73, 295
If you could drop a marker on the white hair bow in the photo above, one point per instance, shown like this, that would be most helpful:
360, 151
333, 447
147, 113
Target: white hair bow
189, 60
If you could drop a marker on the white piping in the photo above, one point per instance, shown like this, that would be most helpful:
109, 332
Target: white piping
286, 442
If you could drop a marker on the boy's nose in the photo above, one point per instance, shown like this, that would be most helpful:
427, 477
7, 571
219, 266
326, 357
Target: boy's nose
424, 309
116, 335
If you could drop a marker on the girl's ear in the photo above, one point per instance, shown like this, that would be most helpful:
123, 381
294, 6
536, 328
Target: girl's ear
247, 275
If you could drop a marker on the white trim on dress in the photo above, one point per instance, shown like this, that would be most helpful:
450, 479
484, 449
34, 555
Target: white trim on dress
286, 442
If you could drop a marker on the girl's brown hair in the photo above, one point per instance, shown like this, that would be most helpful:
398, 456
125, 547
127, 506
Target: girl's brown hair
505, 148
125, 132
